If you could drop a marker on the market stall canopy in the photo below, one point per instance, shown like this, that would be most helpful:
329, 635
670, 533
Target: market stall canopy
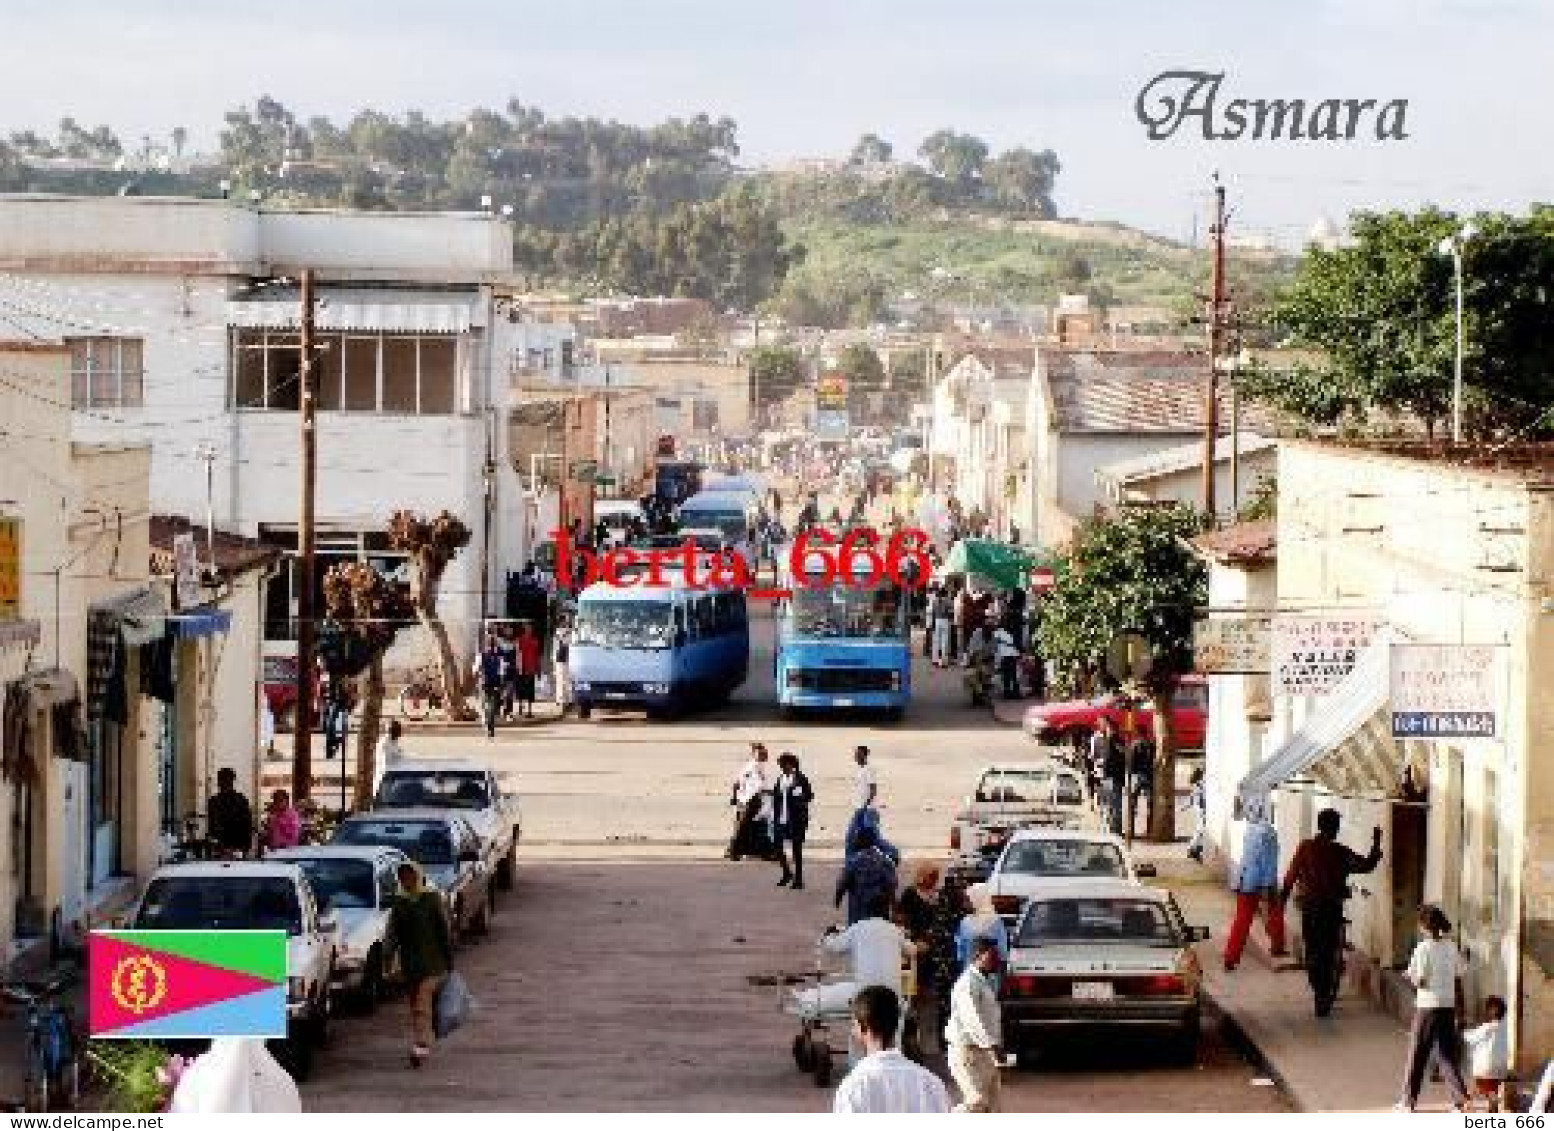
1003, 565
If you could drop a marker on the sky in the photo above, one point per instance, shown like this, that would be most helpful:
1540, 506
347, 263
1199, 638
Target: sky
807, 77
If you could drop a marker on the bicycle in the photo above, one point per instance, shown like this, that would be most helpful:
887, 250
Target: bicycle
53, 1042
1328, 995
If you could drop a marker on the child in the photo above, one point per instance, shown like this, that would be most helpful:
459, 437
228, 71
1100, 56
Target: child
1197, 804
1489, 1054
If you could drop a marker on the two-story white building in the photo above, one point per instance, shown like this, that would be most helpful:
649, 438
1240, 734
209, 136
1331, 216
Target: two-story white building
182, 317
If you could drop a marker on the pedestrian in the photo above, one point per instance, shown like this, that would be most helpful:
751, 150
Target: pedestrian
229, 818
949, 909
1114, 772
1008, 657
1319, 876
941, 615
389, 753
981, 922
884, 1081
1489, 1055
1255, 883
962, 624
509, 650
1141, 780
282, 823
1435, 971
752, 788
1198, 805
974, 1034
489, 671
916, 911
790, 819
420, 925
562, 668
527, 647
866, 787
867, 876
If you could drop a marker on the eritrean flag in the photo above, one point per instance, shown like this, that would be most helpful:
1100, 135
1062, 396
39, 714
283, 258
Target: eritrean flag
187, 984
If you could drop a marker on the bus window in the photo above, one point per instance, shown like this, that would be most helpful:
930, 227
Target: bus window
706, 628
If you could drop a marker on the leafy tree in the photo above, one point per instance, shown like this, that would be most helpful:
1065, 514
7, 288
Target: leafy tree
367, 611
1132, 572
956, 157
777, 371
432, 544
1073, 271
13, 173
862, 367
871, 150
1022, 180
1264, 502
1382, 312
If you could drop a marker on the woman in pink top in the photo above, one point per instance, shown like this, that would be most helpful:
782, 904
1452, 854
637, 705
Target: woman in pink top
282, 823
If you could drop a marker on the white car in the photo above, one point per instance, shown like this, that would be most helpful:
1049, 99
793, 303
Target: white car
249, 895
357, 884
1007, 798
1102, 955
1038, 860
474, 791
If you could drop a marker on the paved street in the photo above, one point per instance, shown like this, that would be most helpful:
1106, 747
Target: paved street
633, 969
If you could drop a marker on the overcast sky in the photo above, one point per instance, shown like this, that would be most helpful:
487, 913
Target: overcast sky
806, 77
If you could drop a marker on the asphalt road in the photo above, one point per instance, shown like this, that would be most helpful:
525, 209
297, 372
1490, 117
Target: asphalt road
633, 969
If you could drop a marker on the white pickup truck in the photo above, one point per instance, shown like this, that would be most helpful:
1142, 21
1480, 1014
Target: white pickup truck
474, 792
1007, 798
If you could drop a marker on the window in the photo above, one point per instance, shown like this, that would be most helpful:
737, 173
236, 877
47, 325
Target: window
107, 372
1489, 882
1089, 921
390, 373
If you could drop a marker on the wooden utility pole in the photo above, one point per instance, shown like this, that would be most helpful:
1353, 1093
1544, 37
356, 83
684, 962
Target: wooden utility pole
302, 747
1216, 335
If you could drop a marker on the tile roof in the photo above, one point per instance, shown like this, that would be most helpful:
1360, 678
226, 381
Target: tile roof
1137, 391
1245, 543
235, 553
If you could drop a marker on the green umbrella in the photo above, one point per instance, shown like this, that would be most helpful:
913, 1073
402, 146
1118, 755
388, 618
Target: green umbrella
1005, 566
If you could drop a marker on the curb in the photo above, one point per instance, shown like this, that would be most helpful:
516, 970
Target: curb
1237, 1036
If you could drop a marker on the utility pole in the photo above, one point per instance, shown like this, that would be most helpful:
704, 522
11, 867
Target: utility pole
1216, 335
302, 746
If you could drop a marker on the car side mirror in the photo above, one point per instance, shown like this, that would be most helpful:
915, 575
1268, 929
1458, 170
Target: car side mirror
1146, 870
469, 856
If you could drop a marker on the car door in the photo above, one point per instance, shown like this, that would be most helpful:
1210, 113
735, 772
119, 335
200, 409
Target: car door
386, 881
478, 871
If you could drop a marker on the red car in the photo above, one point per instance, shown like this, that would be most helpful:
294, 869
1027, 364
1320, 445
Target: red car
1072, 720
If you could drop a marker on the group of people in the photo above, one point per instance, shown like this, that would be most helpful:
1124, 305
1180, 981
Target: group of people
231, 830
990, 635
507, 671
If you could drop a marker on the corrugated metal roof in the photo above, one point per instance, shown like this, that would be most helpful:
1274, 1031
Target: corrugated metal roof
1181, 457
378, 317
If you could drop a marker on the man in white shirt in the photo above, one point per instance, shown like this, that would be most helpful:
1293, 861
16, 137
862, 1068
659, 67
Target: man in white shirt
884, 1081
749, 797
974, 1034
865, 783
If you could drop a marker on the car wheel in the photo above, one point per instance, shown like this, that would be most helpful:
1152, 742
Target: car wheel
39, 1090
487, 910
371, 992
822, 1064
507, 871
456, 924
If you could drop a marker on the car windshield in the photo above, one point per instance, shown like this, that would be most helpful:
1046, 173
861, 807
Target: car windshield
1018, 786
839, 611
403, 789
221, 903
341, 883
731, 524
623, 624
427, 844
1063, 922
1063, 858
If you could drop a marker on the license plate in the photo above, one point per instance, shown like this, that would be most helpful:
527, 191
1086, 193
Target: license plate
844, 703
615, 695
1094, 991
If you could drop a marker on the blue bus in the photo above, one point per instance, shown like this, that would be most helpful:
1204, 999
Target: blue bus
733, 514
657, 645
842, 647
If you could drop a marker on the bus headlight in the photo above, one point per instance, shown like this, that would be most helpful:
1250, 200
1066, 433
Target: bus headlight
581, 685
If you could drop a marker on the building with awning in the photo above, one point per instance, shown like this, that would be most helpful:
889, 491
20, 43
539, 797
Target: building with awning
1411, 663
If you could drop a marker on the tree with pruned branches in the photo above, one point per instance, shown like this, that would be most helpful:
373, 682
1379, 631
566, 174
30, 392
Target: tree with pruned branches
432, 544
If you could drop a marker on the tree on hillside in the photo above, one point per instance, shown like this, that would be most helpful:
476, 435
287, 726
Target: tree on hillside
1022, 180
432, 544
1072, 272
1132, 572
870, 150
862, 367
956, 157
366, 611
777, 371
1382, 313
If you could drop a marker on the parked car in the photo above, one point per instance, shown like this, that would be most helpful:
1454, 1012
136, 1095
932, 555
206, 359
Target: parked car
1037, 860
355, 883
475, 792
250, 895
448, 852
1007, 798
1107, 955
1071, 721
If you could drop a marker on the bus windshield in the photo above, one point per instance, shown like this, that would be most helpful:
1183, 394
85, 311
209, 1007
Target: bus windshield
624, 624
731, 524
839, 612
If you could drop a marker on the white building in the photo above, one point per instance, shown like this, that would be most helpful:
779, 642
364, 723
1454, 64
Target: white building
182, 319
976, 435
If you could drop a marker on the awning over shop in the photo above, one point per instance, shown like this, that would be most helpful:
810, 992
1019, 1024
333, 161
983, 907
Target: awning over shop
375, 317
200, 622
1346, 746
20, 633
142, 615
1004, 566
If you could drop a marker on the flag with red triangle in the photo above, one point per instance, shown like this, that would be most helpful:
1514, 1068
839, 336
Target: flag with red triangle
186, 984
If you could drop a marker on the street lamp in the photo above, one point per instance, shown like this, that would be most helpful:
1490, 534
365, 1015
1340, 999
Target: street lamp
1453, 246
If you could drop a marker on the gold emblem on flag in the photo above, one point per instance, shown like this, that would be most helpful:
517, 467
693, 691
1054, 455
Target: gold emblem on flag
139, 983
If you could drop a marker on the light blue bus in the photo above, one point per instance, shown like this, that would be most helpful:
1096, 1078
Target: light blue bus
659, 647
842, 648
733, 514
